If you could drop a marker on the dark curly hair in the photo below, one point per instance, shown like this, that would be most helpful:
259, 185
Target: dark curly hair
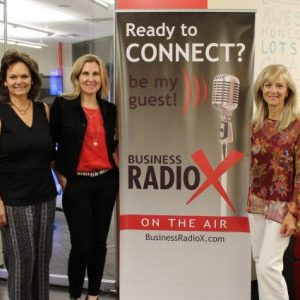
10, 57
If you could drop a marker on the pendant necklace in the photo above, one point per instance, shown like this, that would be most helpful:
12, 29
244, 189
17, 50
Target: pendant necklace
95, 136
95, 133
23, 112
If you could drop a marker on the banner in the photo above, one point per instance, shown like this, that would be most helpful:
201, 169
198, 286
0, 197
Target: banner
183, 90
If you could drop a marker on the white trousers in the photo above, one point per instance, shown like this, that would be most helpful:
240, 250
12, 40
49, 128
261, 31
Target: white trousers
268, 247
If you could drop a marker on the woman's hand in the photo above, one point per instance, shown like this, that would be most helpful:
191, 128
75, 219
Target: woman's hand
288, 227
3, 220
116, 159
62, 180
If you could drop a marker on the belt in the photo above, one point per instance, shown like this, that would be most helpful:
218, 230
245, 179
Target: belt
92, 173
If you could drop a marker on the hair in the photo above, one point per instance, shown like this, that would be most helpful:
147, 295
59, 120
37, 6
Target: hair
76, 71
10, 57
289, 113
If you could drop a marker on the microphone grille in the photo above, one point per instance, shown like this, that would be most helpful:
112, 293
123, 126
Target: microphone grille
225, 94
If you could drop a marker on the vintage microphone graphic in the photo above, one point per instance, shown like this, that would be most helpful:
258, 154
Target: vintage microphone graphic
225, 97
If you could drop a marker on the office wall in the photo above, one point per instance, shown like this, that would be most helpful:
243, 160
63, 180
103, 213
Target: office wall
277, 31
278, 35
232, 4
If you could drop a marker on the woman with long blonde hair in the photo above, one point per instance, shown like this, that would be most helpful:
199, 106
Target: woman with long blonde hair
274, 192
83, 127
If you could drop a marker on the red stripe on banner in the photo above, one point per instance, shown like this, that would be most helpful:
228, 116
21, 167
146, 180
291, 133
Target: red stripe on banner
159, 4
184, 223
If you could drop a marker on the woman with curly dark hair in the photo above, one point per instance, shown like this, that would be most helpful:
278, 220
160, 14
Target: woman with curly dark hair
27, 189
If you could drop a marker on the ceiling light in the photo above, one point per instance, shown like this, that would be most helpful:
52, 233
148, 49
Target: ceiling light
102, 3
30, 28
22, 31
29, 45
24, 43
18, 32
8, 42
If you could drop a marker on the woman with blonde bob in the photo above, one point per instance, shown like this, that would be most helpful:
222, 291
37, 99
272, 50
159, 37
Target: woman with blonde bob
83, 128
274, 192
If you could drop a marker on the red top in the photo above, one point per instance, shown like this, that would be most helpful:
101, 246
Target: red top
275, 171
94, 156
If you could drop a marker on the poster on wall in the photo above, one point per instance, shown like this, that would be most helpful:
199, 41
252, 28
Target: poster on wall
278, 35
183, 91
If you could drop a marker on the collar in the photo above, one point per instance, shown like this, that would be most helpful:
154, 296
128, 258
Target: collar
76, 103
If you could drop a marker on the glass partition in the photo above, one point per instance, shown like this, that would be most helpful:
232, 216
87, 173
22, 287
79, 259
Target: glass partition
3, 14
55, 33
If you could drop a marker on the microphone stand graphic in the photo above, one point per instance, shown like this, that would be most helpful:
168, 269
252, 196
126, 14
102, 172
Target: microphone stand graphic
225, 96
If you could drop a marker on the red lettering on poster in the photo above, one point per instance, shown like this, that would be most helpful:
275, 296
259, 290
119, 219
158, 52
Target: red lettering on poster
212, 175
184, 223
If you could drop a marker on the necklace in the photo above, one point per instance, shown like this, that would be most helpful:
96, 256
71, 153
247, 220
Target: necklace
91, 117
94, 131
95, 135
23, 112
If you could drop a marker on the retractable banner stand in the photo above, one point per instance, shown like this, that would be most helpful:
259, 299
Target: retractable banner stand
183, 90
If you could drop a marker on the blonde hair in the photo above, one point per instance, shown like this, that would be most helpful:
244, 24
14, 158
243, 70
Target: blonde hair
76, 71
289, 113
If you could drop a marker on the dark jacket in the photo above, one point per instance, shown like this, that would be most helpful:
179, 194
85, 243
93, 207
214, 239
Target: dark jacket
68, 125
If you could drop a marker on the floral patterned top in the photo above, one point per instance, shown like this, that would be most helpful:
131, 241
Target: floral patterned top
275, 171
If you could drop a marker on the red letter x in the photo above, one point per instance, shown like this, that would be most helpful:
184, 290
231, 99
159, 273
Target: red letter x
212, 176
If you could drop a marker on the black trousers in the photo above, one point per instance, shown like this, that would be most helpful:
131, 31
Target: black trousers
88, 205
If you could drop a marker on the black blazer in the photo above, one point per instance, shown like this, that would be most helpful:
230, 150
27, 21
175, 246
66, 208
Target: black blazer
68, 124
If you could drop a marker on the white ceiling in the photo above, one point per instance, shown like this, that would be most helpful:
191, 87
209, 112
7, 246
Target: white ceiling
70, 21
